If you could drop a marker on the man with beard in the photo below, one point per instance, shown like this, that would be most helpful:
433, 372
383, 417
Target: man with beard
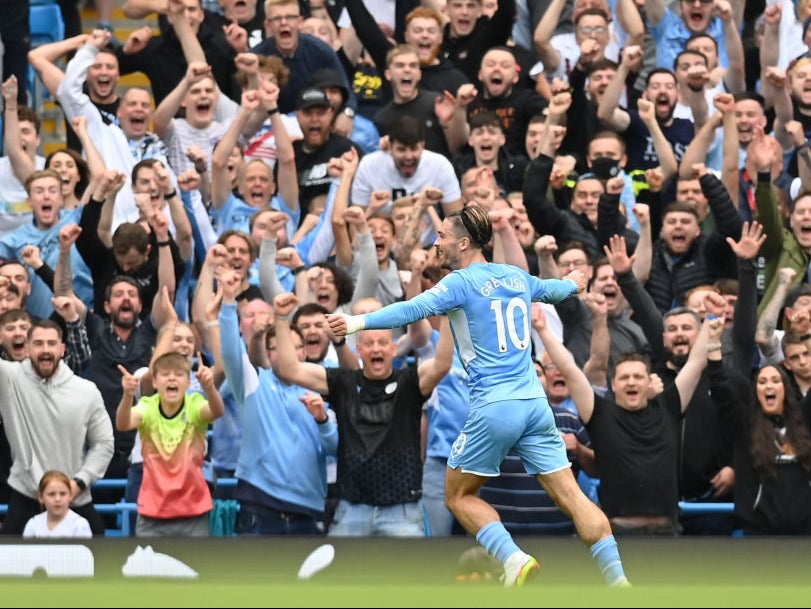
121, 338
662, 91
405, 169
514, 105
311, 321
53, 419
320, 143
364, 132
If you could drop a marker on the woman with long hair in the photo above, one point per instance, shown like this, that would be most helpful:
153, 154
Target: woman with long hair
773, 459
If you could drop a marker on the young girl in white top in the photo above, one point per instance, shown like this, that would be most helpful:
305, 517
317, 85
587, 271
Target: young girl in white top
58, 520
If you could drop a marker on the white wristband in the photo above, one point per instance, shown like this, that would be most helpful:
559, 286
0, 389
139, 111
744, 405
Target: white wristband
354, 323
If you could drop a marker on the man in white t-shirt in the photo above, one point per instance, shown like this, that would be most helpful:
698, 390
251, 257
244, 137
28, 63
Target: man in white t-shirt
404, 169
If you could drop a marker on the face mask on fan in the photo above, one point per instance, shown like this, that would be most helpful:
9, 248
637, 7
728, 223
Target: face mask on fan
605, 168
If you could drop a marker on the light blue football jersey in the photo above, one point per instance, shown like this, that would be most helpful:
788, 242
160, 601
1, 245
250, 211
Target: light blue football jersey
489, 308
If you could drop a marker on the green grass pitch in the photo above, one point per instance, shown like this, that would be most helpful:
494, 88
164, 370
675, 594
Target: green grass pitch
373, 572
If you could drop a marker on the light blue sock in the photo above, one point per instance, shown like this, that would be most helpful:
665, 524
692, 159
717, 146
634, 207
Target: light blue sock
607, 557
497, 541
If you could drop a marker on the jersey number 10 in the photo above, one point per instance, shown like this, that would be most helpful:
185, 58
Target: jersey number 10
509, 329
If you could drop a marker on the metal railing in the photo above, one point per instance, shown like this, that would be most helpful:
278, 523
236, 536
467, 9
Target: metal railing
124, 509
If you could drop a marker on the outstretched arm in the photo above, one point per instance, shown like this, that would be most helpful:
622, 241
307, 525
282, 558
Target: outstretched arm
645, 312
579, 385
192, 49
735, 75
608, 110
287, 180
664, 151
220, 180
141, 9
290, 369
125, 418
215, 407
596, 367
505, 241
542, 37
706, 347
44, 57
655, 11
165, 112
745, 320
767, 322
22, 162
643, 252
95, 162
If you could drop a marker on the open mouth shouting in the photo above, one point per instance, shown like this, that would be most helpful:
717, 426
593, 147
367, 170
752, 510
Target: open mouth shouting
662, 104
680, 346
312, 347
138, 122
610, 297
104, 86
323, 298
678, 242
257, 197
173, 392
497, 84
407, 84
695, 18
803, 232
203, 109
46, 364
18, 348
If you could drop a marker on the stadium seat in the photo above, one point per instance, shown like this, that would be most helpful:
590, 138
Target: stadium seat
47, 26
46, 23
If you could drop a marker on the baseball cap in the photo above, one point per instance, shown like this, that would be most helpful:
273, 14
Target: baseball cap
312, 98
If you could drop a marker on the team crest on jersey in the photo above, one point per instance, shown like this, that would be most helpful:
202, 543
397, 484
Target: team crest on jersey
391, 388
459, 444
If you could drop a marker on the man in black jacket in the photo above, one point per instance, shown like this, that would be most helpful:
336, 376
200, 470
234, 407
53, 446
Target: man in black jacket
683, 257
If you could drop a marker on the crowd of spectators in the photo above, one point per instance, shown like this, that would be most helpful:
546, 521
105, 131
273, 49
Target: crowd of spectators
294, 158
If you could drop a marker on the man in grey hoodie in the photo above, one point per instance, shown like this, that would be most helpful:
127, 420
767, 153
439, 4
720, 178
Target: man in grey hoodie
53, 420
